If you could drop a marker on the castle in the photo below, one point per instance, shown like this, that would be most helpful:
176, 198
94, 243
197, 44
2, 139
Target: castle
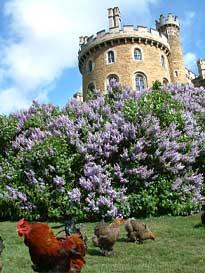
135, 56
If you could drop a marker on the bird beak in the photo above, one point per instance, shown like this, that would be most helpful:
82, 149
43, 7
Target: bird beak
20, 234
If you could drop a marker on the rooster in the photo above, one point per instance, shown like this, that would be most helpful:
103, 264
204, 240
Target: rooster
50, 254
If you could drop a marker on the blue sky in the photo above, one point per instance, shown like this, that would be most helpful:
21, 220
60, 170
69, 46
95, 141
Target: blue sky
39, 42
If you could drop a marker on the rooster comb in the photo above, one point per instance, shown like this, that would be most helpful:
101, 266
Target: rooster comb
21, 221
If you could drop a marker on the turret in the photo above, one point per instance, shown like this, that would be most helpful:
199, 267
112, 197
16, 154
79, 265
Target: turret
201, 68
163, 23
170, 27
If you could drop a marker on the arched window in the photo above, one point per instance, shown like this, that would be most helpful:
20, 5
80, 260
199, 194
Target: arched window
140, 81
91, 87
162, 61
176, 73
111, 56
165, 81
137, 54
90, 66
112, 80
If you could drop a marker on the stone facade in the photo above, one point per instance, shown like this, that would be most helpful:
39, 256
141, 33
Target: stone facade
200, 80
125, 67
135, 56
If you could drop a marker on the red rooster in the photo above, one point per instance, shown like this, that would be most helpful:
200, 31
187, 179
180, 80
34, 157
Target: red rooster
49, 253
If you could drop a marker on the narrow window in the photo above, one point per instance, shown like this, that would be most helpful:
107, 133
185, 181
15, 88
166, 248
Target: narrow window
165, 81
90, 66
91, 87
176, 73
137, 54
140, 81
162, 61
111, 57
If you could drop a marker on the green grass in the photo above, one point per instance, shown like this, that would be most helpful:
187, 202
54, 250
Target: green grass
179, 248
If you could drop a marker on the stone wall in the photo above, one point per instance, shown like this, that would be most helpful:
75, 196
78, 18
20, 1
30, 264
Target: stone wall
177, 68
126, 66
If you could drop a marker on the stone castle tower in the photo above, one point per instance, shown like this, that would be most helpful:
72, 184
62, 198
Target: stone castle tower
134, 56
170, 28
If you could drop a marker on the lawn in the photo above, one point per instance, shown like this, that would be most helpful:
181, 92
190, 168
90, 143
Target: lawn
179, 248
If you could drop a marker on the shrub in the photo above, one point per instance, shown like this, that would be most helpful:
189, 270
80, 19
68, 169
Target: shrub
139, 153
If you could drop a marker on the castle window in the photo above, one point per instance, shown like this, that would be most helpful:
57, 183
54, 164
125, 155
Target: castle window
91, 87
90, 66
165, 81
176, 73
163, 61
112, 79
111, 56
140, 81
137, 54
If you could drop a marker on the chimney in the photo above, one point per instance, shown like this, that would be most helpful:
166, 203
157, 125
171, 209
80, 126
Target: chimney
110, 18
116, 17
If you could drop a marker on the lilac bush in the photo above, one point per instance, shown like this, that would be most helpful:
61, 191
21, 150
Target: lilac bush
135, 152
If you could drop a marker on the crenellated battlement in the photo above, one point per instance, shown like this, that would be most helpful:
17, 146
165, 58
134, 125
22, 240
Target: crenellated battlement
126, 29
169, 20
128, 32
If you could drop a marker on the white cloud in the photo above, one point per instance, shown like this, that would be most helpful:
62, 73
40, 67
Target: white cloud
11, 100
190, 61
43, 41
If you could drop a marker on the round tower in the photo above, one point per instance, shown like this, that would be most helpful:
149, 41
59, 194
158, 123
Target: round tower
136, 56
170, 27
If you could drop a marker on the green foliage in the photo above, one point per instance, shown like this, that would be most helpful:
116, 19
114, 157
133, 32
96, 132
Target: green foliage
158, 199
157, 102
7, 132
40, 118
53, 158
91, 94
130, 110
157, 85
161, 104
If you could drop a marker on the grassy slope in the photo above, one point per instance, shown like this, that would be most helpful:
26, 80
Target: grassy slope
179, 248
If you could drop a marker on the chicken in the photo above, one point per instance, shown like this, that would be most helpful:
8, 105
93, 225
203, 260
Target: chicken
106, 235
49, 253
137, 231
1, 249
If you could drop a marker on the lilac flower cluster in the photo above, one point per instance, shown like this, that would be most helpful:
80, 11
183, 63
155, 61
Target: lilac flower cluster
20, 197
44, 110
117, 156
192, 98
29, 138
97, 182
